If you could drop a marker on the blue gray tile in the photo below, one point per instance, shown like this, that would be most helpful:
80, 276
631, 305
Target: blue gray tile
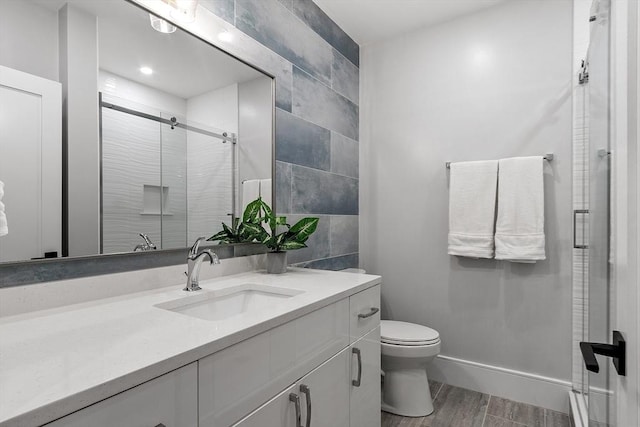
345, 77
301, 142
318, 243
315, 18
225, 9
269, 22
25, 273
344, 155
318, 192
334, 263
515, 411
315, 102
283, 187
344, 234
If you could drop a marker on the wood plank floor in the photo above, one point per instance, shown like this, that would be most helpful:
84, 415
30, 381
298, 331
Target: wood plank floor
459, 407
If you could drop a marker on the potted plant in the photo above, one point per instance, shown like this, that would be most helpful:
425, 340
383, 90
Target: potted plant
290, 238
251, 229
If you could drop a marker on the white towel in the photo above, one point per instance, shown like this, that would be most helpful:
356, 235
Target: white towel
472, 204
265, 191
520, 221
250, 192
4, 229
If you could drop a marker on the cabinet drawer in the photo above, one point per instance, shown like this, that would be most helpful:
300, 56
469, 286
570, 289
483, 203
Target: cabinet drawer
238, 379
169, 400
364, 312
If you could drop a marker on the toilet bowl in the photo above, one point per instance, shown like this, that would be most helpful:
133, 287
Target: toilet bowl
407, 348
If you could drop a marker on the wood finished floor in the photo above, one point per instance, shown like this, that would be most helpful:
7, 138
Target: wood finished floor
459, 407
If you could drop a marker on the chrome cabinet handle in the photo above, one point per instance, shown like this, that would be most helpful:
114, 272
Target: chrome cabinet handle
307, 392
356, 351
296, 401
371, 312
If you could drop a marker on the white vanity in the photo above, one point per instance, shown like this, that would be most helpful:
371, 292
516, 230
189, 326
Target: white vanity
300, 349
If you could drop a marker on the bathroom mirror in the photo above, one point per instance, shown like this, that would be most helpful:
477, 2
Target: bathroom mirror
121, 132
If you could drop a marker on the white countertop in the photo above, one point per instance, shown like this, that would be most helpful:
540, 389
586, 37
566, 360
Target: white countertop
54, 362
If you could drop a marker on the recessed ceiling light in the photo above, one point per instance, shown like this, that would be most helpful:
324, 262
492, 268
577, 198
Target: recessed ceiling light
146, 70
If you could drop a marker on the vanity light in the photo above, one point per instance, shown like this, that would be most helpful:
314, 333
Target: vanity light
161, 25
146, 71
183, 10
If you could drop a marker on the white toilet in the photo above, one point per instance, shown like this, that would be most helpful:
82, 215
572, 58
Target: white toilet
407, 348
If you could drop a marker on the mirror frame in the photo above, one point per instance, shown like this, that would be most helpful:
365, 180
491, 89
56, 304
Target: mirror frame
205, 28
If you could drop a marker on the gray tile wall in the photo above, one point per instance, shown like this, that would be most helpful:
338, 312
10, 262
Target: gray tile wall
317, 95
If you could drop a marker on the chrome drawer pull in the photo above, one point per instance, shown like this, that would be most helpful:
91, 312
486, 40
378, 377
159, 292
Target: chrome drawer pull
296, 400
371, 312
307, 392
356, 351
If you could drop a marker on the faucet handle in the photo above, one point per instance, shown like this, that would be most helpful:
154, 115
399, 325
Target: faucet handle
193, 252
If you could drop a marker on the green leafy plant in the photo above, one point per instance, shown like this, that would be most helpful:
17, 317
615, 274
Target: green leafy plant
239, 232
251, 229
293, 237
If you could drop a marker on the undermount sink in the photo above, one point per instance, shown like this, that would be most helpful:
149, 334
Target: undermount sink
229, 302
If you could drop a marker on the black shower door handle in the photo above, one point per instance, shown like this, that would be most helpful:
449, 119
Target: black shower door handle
617, 351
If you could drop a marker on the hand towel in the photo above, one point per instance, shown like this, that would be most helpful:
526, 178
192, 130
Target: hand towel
265, 191
520, 221
250, 192
4, 229
472, 203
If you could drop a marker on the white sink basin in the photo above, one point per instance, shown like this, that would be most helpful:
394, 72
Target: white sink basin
229, 302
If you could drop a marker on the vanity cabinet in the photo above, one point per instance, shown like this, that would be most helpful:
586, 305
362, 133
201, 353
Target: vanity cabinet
319, 399
319, 370
169, 401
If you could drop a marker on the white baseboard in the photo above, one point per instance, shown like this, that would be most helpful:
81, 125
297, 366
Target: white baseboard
538, 390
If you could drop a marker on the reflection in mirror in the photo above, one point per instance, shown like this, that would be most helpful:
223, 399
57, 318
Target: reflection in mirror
117, 137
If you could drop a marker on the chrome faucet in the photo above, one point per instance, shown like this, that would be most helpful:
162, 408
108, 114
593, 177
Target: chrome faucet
194, 261
146, 246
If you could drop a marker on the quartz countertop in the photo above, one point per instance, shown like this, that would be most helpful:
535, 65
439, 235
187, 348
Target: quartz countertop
54, 362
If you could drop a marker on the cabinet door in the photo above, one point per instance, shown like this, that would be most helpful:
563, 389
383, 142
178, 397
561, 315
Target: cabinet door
365, 394
281, 411
170, 400
324, 393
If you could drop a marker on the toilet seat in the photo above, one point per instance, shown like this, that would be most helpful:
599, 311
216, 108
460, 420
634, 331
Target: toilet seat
393, 332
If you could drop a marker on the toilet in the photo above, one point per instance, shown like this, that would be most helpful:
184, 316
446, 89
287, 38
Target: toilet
407, 348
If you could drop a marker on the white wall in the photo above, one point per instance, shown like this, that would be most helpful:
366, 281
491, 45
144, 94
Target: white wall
490, 85
29, 38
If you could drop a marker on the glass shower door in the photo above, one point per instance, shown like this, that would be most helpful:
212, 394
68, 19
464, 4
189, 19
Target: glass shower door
601, 398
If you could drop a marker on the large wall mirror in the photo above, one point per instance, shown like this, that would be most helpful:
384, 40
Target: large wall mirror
121, 132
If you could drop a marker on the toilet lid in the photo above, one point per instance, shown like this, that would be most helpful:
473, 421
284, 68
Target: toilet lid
403, 333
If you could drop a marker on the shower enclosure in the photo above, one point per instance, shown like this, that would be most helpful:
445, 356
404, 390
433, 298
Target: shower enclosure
593, 401
162, 176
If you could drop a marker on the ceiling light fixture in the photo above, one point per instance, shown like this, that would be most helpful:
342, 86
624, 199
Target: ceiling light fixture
161, 25
183, 10
146, 71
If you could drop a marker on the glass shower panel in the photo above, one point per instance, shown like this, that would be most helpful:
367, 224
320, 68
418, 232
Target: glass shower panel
211, 172
131, 182
601, 404
173, 198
